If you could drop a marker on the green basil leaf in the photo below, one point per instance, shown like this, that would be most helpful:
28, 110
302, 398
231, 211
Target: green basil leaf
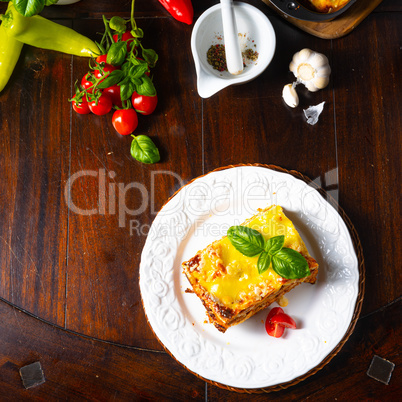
150, 56
125, 67
246, 240
28, 8
146, 87
144, 150
138, 70
113, 78
263, 263
118, 24
290, 264
126, 90
274, 244
117, 53
137, 33
50, 2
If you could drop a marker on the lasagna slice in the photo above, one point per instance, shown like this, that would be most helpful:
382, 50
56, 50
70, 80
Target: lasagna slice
229, 284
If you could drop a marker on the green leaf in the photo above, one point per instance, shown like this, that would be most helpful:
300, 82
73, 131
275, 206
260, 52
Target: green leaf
150, 56
50, 2
144, 150
290, 264
126, 90
146, 87
246, 240
263, 263
118, 24
28, 8
116, 54
138, 70
114, 77
137, 33
274, 244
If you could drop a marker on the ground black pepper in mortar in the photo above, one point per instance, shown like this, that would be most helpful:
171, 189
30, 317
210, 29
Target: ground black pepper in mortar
216, 57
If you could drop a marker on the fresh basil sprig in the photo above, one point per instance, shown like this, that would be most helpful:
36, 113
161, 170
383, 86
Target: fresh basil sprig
286, 262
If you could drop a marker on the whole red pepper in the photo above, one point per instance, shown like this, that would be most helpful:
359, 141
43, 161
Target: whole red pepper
181, 10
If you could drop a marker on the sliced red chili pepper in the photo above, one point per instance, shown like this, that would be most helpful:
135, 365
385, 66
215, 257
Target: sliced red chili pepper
181, 10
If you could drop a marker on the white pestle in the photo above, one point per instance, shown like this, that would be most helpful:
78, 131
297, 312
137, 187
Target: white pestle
234, 59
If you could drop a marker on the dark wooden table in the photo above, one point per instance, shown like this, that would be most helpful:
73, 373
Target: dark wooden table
69, 286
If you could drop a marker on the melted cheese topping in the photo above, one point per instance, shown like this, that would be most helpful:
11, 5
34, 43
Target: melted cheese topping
231, 277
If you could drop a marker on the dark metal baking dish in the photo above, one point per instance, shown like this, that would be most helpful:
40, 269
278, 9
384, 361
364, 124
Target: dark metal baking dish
294, 9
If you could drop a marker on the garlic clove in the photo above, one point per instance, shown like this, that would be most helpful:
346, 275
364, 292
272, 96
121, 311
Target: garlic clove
318, 60
290, 96
303, 55
320, 82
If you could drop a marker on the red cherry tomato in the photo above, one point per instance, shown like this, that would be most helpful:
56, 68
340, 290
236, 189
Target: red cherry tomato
82, 107
86, 84
125, 121
103, 107
274, 330
102, 58
284, 320
114, 93
274, 311
144, 104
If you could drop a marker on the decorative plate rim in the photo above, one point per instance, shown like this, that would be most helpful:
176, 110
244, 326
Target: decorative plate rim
355, 241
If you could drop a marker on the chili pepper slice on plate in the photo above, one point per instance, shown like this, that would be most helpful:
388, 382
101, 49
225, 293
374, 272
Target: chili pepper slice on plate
181, 10
45, 34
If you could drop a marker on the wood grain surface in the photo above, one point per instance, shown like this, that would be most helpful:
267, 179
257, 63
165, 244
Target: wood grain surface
76, 206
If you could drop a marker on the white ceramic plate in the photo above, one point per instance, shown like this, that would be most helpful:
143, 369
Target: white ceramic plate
245, 356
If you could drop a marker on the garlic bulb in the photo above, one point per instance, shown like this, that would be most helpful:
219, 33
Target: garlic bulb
290, 96
311, 69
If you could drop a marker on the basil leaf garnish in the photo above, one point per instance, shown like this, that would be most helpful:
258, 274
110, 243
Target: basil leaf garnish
144, 150
263, 263
274, 244
290, 264
286, 262
246, 240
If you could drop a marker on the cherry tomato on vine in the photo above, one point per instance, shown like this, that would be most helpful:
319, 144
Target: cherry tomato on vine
86, 84
102, 58
82, 107
125, 121
114, 93
104, 105
144, 104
